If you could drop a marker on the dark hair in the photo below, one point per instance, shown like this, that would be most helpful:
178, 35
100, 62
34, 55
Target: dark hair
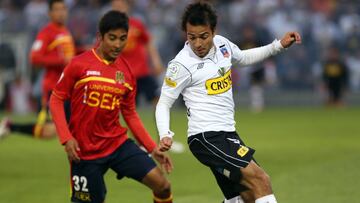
199, 13
113, 20
52, 2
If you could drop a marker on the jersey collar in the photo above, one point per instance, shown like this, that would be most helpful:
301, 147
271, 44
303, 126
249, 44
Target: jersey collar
106, 62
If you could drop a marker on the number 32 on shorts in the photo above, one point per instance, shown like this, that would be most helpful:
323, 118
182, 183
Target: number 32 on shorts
80, 183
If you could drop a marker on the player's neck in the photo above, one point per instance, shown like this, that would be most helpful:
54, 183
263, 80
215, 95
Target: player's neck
58, 24
102, 56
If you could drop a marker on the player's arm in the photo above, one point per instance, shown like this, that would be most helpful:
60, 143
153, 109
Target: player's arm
176, 80
154, 55
254, 55
60, 93
133, 121
162, 115
155, 58
39, 53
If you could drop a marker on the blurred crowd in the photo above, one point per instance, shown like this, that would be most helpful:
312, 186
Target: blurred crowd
323, 24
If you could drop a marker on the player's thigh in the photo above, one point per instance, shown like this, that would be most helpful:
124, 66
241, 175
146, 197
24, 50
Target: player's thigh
87, 182
225, 154
229, 188
253, 173
132, 162
222, 151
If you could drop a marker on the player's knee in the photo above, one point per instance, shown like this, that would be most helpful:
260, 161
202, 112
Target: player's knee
163, 189
264, 178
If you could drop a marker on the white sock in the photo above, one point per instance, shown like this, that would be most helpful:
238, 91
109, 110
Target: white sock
236, 199
266, 199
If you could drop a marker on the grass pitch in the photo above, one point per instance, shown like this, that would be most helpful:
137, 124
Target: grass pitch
312, 155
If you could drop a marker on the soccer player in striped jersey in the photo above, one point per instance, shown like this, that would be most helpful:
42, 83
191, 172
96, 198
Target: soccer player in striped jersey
101, 86
201, 72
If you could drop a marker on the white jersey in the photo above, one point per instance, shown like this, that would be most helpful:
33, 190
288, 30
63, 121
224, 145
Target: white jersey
206, 85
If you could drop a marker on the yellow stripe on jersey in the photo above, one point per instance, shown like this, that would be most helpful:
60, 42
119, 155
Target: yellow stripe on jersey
58, 41
219, 85
94, 78
128, 86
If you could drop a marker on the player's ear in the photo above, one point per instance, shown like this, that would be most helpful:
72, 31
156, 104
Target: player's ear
98, 36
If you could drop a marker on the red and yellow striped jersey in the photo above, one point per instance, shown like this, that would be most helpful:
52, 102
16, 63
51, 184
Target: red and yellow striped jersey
98, 92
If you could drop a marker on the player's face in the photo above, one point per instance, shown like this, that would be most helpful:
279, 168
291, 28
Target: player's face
112, 43
58, 13
200, 38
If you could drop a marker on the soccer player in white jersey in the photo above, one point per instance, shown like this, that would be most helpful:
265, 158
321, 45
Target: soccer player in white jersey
201, 72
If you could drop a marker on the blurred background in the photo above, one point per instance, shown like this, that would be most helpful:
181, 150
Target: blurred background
307, 137
295, 77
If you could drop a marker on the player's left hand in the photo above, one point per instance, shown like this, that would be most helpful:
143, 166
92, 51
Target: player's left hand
163, 159
289, 38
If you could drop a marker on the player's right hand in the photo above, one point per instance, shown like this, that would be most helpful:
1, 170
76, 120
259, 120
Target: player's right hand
163, 159
72, 148
165, 144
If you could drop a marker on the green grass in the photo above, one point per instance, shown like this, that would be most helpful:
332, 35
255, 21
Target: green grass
312, 155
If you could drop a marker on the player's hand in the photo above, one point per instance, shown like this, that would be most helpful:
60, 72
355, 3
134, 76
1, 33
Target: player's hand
165, 144
163, 159
289, 38
72, 148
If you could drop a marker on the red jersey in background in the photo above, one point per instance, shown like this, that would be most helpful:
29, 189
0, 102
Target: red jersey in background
51, 50
98, 91
135, 51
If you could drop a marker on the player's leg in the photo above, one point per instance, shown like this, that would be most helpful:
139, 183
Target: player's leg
4, 128
247, 196
130, 161
338, 93
43, 128
218, 150
230, 189
331, 93
256, 97
226, 154
258, 182
87, 181
160, 186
